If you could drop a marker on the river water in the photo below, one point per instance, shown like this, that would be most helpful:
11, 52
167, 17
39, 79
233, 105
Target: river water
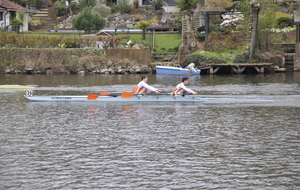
165, 146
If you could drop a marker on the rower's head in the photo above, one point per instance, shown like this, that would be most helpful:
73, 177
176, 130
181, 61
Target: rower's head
185, 80
145, 78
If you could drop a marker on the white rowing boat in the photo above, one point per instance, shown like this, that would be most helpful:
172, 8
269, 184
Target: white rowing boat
118, 98
15, 87
129, 97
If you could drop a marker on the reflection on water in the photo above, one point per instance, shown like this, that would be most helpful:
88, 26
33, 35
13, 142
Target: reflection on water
87, 145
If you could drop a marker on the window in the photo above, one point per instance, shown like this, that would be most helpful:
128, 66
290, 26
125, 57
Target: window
1, 16
146, 2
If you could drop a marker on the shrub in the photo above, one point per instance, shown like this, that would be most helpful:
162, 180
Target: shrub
138, 17
44, 41
60, 8
201, 29
86, 3
201, 60
284, 22
44, 58
101, 9
124, 6
200, 33
244, 58
88, 21
157, 4
224, 41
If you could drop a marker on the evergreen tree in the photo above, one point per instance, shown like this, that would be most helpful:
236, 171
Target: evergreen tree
88, 21
187, 5
86, 3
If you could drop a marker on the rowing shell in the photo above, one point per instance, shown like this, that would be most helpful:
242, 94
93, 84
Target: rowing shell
137, 99
118, 98
15, 87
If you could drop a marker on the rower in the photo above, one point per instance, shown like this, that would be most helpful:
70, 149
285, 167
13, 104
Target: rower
181, 88
143, 87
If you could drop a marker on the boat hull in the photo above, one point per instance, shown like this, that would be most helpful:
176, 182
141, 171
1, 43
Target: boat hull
117, 99
167, 70
157, 98
15, 87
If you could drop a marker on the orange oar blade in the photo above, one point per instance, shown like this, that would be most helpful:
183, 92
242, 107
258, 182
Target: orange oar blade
127, 95
104, 93
92, 96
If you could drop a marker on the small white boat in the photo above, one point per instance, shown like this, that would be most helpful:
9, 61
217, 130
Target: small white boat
15, 87
177, 70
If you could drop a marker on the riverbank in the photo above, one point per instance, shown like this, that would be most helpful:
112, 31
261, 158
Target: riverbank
66, 61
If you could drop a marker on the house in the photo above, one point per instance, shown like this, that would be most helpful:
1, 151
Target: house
105, 33
170, 5
105, 42
8, 11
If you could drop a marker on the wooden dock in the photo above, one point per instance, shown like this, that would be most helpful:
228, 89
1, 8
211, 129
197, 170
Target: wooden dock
237, 68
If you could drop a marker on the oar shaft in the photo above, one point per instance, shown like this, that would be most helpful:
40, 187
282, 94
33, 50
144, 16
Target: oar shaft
130, 94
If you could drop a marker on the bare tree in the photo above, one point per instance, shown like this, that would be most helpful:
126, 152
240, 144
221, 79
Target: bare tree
255, 8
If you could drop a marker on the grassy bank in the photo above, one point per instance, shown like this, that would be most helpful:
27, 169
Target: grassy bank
226, 56
59, 60
161, 42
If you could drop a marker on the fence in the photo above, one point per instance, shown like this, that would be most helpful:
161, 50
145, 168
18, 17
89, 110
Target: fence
139, 55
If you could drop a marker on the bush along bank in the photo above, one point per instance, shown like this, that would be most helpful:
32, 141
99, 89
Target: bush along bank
65, 61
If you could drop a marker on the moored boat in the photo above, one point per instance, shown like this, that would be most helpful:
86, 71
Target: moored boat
15, 87
177, 70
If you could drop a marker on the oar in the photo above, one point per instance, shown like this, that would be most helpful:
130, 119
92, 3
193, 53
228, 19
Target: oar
110, 94
95, 96
92, 97
129, 95
171, 93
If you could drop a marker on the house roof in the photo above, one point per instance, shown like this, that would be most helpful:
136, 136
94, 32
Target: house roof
102, 33
10, 5
106, 33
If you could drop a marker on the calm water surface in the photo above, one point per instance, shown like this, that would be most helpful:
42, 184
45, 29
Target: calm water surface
165, 146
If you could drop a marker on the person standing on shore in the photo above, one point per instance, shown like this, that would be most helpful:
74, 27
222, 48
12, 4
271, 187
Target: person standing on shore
143, 87
181, 88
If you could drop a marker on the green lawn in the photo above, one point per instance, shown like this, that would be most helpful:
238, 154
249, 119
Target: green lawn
162, 42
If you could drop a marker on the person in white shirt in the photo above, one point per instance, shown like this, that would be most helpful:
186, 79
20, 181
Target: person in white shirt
143, 87
181, 88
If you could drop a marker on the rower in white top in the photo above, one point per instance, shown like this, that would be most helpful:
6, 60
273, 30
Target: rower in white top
143, 87
181, 88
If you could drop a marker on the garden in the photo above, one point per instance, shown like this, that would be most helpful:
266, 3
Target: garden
226, 41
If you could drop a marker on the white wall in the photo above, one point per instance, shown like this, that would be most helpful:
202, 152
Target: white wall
24, 28
6, 21
169, 9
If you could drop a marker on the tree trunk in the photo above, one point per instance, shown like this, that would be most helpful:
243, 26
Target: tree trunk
144, 33
255, 8
18, 29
